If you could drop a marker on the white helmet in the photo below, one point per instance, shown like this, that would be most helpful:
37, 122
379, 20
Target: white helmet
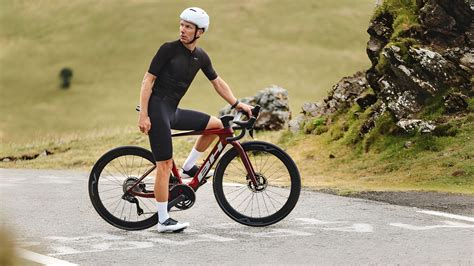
197, 16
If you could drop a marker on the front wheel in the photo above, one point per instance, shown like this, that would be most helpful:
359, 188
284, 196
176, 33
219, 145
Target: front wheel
269, 202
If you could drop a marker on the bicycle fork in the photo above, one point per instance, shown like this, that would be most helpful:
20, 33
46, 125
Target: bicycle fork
246, 161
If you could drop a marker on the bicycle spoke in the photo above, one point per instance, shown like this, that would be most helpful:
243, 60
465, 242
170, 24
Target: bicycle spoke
271, 198
111, 175
107, 190
112, 164
278, 177
121, 214
235, 190
265, 164
276, 193
131, 168
275, 171
119, 168
145, 205
139, 169
239, 165
121, 165
118, 204
265, 203
258, 205
232, 172
237, 194
251, 201
243, 202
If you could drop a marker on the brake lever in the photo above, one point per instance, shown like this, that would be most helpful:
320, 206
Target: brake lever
251, 133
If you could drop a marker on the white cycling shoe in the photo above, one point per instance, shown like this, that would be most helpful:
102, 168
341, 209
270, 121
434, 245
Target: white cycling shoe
171, 226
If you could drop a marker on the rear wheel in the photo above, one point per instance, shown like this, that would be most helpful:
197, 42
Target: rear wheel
112, 175
272, 199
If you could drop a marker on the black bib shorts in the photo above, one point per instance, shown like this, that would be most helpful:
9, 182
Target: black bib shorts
165, 115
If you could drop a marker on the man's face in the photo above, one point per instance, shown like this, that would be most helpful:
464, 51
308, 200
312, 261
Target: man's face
186, 31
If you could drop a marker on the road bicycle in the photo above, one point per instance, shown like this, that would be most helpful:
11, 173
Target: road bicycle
255, 183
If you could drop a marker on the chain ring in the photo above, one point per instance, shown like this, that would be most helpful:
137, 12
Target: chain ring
182, 189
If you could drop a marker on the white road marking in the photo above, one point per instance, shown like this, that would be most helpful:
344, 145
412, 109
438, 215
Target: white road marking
276, 233
39, 258
122, 245
199, 238
100, 247
227, 226
312, 221
447, 224
358, 228
84, 238
448, 215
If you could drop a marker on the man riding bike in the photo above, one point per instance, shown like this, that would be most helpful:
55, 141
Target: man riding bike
169, 76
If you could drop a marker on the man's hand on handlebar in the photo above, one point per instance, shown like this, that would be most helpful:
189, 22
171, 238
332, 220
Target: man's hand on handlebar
245, 108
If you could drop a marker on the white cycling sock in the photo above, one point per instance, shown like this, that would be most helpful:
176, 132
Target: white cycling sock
191, 160
162, 211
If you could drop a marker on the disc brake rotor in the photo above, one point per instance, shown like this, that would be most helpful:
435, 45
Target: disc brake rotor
261, 183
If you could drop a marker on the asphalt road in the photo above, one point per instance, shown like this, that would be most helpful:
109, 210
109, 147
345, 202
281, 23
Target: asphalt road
55, 223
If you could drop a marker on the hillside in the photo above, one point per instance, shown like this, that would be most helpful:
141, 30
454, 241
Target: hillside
350, 141
303, 46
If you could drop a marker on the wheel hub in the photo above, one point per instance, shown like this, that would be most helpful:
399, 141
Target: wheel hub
129, 182
261, 183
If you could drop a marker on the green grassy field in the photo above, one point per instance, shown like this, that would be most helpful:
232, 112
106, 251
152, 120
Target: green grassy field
304, 46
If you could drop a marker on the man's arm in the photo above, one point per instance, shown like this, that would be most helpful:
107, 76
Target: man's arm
145, 92
225, 92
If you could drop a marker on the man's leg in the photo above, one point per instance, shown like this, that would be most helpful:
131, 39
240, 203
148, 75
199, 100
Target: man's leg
202, 143
165, 223
163, 169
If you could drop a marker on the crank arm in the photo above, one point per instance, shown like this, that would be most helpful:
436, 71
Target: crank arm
175, 201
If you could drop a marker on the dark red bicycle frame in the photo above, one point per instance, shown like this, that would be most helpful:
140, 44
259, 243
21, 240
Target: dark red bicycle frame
199, 179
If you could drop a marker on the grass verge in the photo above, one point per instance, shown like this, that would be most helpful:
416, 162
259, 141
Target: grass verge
432, 163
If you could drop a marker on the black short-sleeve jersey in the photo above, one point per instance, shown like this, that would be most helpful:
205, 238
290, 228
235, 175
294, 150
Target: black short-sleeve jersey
175, 67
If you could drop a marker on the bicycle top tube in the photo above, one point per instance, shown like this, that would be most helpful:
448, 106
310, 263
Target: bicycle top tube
228, 121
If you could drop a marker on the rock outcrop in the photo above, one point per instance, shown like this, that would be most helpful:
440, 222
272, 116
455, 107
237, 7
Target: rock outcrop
421, 56
275, 113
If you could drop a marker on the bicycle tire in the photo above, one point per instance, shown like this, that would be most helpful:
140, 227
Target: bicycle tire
104, 175
256, 150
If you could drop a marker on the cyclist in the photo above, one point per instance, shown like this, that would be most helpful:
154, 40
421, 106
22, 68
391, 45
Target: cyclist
169, 76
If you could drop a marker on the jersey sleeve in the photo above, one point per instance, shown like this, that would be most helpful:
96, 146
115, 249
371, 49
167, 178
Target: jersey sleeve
160, 59
207, 68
